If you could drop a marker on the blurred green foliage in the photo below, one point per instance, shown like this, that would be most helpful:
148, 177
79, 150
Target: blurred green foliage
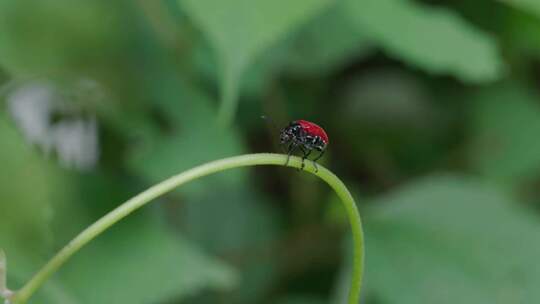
427, 242
432, 108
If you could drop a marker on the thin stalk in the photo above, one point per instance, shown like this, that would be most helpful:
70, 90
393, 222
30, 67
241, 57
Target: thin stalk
166, 186
229, 98
3, 271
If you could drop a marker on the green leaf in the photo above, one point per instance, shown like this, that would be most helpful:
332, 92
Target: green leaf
521, 36
193, 139
532, 6
434, 39
388, 114
240, 30
140, 247
35, 39
452, 240
33, 193
26, 200
242, 219
244, 223
327, 43
255, 79
141, 261
505, 128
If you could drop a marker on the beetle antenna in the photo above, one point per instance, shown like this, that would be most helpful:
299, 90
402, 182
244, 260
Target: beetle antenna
272, 122
275, 129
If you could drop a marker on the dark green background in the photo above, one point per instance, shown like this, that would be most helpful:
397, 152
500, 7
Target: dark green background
433, 113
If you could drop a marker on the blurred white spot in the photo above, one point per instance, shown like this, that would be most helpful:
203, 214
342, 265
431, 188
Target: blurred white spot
74, 140
31, 108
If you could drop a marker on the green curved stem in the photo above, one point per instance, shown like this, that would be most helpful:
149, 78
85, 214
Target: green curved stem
145, 197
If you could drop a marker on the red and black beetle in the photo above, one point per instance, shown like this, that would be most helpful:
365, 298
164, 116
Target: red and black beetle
306, 136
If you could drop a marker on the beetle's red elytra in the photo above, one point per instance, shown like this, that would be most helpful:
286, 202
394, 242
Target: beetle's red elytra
313, 129
306, 136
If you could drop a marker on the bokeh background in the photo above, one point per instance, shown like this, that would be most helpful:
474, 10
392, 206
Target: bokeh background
433, 113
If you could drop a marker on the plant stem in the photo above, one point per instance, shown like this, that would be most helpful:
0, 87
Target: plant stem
145, 197
229, 92
3, 271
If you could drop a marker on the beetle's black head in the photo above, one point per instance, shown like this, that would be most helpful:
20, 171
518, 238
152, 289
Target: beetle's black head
285, 136
290, 133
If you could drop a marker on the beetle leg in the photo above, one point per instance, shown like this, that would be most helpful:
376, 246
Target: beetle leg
290, 150
306, 154
315, 160
303, 154
319, 156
